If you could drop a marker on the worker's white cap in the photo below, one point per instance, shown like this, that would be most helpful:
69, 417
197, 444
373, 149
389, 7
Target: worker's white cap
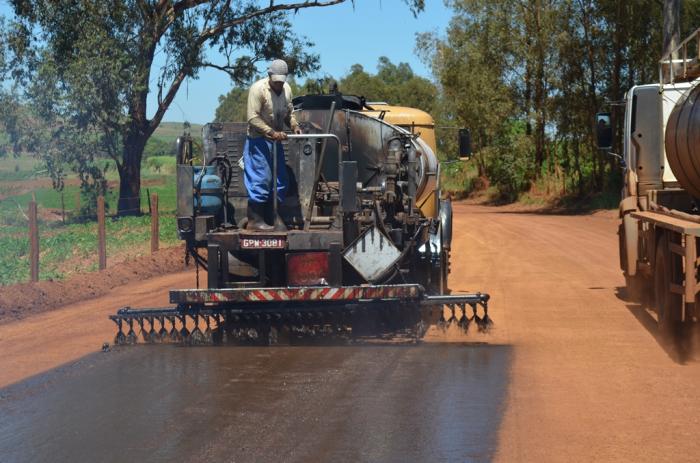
278, 71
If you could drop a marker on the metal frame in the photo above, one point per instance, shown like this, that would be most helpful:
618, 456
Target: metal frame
688, 233
412, 309
320, 136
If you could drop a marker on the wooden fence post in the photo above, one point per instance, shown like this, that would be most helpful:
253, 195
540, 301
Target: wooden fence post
155, 229
101, 234
33, 241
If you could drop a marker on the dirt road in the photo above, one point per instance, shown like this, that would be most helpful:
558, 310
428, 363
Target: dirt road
571, 372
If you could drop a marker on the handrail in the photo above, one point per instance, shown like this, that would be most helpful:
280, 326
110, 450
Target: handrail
668, 60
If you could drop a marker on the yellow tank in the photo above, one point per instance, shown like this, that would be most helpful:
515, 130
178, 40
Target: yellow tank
421, 123
412, 119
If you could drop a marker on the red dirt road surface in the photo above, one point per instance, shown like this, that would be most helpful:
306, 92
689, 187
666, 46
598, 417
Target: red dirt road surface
586, 377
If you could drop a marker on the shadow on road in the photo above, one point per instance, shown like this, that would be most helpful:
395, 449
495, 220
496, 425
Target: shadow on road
553, 210
681, 347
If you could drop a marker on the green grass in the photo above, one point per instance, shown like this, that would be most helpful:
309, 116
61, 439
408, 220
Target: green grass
20, 168
73, 247
161, 164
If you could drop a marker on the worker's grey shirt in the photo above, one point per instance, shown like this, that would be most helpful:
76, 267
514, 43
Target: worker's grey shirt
267, 111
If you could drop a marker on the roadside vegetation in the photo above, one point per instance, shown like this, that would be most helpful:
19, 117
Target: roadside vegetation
70, 246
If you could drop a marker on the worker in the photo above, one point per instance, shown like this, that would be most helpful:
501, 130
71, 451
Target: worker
269, 114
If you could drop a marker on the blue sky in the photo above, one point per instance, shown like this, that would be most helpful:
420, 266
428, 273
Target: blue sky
342, 35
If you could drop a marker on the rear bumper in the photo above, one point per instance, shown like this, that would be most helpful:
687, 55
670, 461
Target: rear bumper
303, 294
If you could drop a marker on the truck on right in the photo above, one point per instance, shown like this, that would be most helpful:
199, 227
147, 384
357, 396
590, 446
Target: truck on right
659, 231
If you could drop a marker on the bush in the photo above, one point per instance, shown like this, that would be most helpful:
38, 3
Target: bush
509, 165
459, 178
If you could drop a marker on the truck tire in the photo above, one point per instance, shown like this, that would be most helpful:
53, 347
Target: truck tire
667, 303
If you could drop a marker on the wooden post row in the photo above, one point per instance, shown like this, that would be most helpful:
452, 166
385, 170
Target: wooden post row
33, 242
101, 234
155, 229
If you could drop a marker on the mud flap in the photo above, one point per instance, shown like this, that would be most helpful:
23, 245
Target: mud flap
631, 231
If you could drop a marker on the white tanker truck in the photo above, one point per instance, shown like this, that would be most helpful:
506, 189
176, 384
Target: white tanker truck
660, 208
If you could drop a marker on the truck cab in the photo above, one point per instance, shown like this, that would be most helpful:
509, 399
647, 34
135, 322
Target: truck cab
647, 109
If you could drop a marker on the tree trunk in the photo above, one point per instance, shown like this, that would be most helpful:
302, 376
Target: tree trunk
672, 28
136, 134
577, 164
619, 38
589, 37
130, 172
540, 89
528, 93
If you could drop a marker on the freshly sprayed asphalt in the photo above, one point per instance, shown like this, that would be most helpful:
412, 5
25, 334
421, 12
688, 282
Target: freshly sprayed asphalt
425, 402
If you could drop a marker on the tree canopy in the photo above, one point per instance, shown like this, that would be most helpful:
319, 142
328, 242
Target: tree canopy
85, 68
393, 83
528, 76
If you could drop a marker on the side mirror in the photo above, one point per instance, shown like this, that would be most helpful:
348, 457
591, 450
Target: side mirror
465, 144
603, 131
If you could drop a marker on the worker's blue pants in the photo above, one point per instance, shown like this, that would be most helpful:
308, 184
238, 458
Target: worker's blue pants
257, 160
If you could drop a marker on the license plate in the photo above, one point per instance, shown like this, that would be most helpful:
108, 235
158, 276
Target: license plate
262, 243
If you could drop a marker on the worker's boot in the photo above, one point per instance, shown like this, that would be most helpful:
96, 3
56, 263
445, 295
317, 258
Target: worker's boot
256, 221
277, 220
279, 223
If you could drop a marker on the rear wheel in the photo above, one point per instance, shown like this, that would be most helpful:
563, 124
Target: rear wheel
668, 304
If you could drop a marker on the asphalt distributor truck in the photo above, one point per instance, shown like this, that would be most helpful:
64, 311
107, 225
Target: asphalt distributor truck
365, 245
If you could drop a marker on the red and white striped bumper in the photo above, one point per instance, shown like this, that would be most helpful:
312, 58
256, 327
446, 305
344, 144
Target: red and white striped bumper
307, 294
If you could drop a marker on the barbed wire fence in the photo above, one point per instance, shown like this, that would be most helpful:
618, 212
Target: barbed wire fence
76, 214
100, 216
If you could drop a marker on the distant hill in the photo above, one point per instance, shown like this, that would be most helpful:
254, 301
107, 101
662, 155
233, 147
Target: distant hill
169, 131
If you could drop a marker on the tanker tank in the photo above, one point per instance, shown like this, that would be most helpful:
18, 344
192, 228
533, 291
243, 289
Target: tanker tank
369, 141
682, 141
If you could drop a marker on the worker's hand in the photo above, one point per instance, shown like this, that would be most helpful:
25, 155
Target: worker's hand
298, 131
278, 136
